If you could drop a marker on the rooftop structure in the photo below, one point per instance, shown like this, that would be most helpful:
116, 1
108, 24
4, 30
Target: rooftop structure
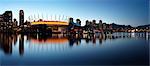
51, 23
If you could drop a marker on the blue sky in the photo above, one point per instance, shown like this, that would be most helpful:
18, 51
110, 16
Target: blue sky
132, 12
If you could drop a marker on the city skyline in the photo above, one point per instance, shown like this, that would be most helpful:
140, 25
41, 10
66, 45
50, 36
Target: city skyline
129, 12
74, 32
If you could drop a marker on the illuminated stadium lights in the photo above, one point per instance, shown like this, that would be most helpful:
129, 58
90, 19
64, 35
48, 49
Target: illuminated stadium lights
50, 23
48, 17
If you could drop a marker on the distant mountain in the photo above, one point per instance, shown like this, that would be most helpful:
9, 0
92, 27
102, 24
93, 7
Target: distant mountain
143, 26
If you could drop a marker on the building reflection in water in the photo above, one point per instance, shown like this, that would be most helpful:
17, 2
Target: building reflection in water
7, 41
21, 44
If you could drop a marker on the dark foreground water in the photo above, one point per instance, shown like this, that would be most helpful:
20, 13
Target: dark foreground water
59, 49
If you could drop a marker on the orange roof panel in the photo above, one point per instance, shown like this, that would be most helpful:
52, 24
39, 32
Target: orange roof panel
50, 23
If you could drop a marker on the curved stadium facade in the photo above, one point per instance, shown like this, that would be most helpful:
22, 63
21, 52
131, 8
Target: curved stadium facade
51, 23
54, 26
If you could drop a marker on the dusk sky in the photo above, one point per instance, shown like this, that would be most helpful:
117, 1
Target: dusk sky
128, 12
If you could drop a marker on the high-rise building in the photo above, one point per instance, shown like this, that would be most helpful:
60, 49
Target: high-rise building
78, 21
100, 24
94, 23
15, 22
70, 23
87, 22
104, 26
21, 17
6, 18
70, 20
1, 18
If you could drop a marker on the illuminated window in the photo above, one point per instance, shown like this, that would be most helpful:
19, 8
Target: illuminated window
9, 14
55, 28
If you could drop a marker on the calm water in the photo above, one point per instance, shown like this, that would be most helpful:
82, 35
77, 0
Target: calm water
59, 49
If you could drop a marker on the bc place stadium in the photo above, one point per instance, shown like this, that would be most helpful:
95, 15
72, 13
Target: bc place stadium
50, 26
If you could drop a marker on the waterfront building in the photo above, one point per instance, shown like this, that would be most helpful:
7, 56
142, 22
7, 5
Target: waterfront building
87, 22
74, 27
86, 27
6, 20
21, 17
78, 21
70, 20
100, 26
104, 26
15, 22
8, 16
1, 18
49, 26
93, 24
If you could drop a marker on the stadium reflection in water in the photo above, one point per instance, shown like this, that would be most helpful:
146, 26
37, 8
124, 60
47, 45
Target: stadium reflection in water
59, 49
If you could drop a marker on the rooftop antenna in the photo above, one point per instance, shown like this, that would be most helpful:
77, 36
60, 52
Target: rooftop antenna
55, 16
34, 17
66, 18
29, 18
63, 17
38, 15
47, 16
51, 17
59, 17
42, 15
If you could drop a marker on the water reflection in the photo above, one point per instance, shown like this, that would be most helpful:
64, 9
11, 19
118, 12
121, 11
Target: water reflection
7, 41
21, 44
